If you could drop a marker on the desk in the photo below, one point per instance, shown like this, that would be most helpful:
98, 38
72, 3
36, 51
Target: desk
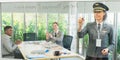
40, 50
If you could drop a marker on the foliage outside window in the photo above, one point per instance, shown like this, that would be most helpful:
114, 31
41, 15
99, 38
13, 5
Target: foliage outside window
30, 19
41, 26
6, 20
118, 40
63, 22
18, 25
118, 44
51, 18
32, 22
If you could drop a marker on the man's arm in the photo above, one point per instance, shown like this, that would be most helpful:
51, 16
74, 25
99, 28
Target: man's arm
7, 43
59, 37
47, 36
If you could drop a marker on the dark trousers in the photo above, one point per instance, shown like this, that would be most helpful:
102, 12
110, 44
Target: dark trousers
94, 58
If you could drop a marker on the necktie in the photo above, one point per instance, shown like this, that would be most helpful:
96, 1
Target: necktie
98, 27
55, 35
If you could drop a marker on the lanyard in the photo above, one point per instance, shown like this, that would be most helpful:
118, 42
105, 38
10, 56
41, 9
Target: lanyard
98, 34
98, 30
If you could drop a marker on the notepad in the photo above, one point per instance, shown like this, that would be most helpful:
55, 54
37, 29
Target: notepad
40, 52
35, 56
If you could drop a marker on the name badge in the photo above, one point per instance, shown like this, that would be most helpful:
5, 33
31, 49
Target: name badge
98, 42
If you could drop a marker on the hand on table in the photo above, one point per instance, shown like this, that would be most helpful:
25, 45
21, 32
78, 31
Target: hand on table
18, 42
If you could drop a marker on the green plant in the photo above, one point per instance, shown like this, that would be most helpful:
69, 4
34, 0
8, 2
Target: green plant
86, 40
118, 42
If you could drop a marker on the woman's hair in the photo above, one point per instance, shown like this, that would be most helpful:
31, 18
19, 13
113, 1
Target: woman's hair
105, 16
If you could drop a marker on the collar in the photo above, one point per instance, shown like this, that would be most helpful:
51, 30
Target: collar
56, 31
100, 23
7, 36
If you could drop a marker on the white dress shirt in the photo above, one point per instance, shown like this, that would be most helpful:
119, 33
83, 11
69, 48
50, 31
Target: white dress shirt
101, 25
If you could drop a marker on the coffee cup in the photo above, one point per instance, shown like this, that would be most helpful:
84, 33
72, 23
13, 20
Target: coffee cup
56, 53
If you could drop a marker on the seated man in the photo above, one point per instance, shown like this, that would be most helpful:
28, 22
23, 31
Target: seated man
8, 46
56, 35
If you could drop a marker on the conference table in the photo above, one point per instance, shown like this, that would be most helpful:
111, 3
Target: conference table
43, 50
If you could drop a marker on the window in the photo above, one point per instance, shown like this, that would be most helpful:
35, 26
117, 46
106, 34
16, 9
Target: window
6, 20
32, 22
41, 25
63, 22
84, 43
18, 25
118, 41
110, 18
52, 17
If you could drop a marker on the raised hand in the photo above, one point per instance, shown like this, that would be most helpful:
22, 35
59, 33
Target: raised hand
47, 35
80, 23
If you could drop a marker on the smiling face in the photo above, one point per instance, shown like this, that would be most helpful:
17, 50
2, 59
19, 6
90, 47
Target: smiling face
99, 15
55, 27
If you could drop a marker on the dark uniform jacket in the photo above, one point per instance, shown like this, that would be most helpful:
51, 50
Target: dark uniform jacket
106, 35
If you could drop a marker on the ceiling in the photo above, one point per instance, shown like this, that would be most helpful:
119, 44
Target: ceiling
53, 7
45, 0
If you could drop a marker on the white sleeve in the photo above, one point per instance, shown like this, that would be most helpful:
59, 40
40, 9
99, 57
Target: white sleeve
7, 43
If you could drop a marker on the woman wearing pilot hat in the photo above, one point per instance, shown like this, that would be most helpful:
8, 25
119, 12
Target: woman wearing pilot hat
100, 34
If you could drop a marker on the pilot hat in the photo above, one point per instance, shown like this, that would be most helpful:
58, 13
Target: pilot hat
100, 7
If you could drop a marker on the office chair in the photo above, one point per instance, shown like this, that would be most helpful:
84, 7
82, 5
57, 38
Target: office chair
29, 36
18, 54
67, 40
